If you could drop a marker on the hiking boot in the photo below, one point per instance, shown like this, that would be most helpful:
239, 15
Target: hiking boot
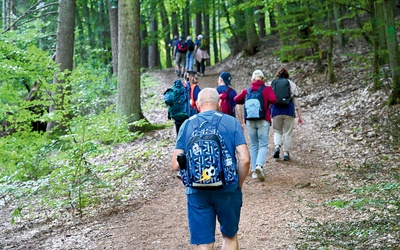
276, 152
182, 74
178, 175
178, 73
286, 156
259, 172
254, 175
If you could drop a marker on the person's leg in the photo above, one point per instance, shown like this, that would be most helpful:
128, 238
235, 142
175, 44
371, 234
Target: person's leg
203, 65
263, 135
230, 243
201, 220
228, 207
198, 66
191, 60
205, 246
288, 123
252, 131
277, 122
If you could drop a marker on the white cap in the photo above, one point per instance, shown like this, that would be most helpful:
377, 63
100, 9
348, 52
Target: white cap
256, 73
200, 36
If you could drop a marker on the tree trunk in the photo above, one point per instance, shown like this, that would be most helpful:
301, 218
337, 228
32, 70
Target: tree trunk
375, 44
214, 33
261, 21
144, 48
339, 24
251, 33
128, 90
393, 47
64, 48
167, 37
380, 19
332, 77
199, 24
153, 43
113, 17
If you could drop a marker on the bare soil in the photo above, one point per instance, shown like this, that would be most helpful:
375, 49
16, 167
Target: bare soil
274, 211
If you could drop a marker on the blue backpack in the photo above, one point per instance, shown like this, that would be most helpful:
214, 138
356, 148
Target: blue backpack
209, 164
254, 104
177, 100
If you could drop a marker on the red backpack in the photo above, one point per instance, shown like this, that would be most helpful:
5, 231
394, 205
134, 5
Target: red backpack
182, 46
225, 103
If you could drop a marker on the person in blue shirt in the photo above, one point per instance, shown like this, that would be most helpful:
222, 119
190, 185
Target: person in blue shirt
205, 205
225, 90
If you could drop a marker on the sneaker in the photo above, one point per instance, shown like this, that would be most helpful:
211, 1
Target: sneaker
178, 175
259, 172
201, 74
286, 156
276, 152
254, 175
182, 74
178, 73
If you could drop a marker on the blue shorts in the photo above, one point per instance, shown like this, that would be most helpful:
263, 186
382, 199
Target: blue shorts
204, 208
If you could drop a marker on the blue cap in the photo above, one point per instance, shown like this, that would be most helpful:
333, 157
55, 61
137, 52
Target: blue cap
226, 77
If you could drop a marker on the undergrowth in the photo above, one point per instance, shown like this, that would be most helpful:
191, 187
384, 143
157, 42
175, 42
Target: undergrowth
374, 205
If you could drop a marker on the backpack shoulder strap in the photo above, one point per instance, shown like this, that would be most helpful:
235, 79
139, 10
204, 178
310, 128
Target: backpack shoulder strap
192, 86
228, 90
261, 88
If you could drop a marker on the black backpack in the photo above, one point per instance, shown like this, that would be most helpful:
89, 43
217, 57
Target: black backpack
281, 87
190, 45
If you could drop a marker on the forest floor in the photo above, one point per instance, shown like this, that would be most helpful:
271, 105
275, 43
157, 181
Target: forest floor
274, 213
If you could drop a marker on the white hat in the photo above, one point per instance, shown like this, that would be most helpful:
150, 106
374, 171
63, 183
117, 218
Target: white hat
200, 36
256, 73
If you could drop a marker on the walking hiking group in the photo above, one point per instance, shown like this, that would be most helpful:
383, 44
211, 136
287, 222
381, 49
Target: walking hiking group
186, 53
211, 154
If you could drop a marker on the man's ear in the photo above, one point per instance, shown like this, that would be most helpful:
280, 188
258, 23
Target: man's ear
198, 105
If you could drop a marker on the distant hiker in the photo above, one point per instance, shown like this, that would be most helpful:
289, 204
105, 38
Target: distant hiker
201, 54
226, 94
190, 53
283, 112
180, 56
256, 100
215, 190
171, 46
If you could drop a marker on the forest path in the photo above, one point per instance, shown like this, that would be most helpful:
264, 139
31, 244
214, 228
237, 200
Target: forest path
273, 211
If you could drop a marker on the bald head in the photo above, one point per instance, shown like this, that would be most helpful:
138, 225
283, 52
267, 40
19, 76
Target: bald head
208, 99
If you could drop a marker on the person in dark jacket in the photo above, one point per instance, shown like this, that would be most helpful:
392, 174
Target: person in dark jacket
283, 118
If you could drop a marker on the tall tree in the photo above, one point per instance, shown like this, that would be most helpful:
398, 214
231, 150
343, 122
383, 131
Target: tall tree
64, 48
166, 32
253, 39
128, 90
113, 17
393, 47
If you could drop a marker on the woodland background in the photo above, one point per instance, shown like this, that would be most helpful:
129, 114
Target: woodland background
72, 75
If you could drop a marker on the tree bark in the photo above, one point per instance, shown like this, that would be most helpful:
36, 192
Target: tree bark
113, 17
64, 48
393, 47
128, 90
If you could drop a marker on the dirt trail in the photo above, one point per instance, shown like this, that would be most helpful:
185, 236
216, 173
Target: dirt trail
272, 215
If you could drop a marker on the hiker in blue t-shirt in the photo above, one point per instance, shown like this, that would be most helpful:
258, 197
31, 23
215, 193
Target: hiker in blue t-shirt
224, 88
171, 46
204, 206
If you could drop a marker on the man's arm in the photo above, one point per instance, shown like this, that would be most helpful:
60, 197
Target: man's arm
174, 161
243, 162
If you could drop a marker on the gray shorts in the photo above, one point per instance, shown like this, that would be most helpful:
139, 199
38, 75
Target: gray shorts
180, 59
